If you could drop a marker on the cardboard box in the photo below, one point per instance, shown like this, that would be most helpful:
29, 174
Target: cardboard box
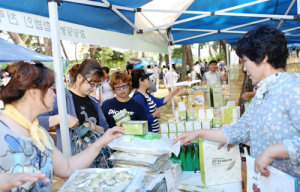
217, 120
172, 136
122, 117
191, 115
189, 126
182, 115
206, 123
166, 135
164, 128
180, 126
197, 125
201, 113
182, 106
199, 98
209, 113
207, 95
217, 95
172, 127
135, 127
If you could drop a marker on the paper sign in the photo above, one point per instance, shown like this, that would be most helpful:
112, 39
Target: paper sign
231, 103
181, 106
228, 115
170, 181
209, 113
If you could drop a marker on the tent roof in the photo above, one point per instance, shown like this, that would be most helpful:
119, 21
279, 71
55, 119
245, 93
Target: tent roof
11, 52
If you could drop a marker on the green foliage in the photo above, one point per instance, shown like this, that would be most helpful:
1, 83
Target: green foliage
221, 56
177, 52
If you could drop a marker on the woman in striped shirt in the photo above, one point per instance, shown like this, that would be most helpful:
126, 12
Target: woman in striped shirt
141, 82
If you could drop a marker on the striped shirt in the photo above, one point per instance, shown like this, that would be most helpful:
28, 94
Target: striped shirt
152, 109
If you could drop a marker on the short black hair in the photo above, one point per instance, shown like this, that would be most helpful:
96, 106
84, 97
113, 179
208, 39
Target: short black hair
219, 59
213, 61
106, 69
197, 62
136, 74
155, 65
264, 41
149, 66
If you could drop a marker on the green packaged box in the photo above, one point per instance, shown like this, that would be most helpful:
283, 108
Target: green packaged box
180, 126
164, 128
172, 127
182, 115
206, 123
135, 127
172, 136
189, 126
207, 95
122, 117
197, 125
191, 115
166, 135
217, 120
217, 95
195, 141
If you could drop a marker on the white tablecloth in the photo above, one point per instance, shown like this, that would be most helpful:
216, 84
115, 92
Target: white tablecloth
187, 83
191, 178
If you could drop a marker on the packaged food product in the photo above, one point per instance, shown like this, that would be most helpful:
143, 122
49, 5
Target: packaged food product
113, 180
135, 127
149, 182
182, 115
172, 136
197, 188
122, 117
201, 113
164, 127
217, 95
151, 143
197, 125
172, 127
176, 171
209, 113
199, 98
189, 126
191, 115
180, 126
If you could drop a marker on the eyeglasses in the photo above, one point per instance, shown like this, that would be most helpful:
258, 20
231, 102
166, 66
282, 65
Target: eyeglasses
92, 84
118, 88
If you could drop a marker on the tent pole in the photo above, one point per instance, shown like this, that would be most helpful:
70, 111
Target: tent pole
228, 66
171, 71
60, 89
298, 7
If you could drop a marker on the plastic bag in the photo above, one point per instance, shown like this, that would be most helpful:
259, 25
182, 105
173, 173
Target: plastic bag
150, 181
108, 180
155, 167
138, 158
151, 143
194, 188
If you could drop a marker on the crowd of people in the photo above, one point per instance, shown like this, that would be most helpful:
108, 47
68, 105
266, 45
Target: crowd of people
29, 158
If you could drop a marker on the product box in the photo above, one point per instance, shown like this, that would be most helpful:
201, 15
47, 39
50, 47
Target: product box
197, 125
199, 98
202, 113
182, 106
191, 115
206, 123
166, 135
217, 93
182, 115
173, 120
172, 127
164, 128
195, 141
180, 126
176, 114
230, 114
220, 164
178, 134
209, 113
207, 95
189, 126
135, 127
172, 136
122, 117
217, 120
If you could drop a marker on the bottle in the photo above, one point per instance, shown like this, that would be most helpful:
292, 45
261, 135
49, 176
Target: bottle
196, 163
189, 162
198, 155
182, 158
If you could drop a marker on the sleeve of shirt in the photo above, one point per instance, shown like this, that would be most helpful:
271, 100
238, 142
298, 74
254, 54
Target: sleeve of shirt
159, 101
292, 100
141, 100
102, 119
240, 132
204, 77
44, 117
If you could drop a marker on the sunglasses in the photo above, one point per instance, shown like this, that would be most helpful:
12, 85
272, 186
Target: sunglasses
118, 88
92, 84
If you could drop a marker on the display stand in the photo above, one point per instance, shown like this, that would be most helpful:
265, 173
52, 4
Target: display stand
191, 178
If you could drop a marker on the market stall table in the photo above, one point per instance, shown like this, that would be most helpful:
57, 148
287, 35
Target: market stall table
188, 83
191, 178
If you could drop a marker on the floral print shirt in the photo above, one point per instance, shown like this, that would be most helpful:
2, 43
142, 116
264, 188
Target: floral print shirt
273, 117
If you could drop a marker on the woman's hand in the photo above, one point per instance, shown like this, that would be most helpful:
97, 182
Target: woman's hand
176, 91
156, 114
110, 135
187, 137
11, 180
262, 161
94, 127
229, 146
73, 122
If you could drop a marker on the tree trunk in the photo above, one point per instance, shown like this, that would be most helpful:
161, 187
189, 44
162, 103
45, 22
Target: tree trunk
187, 59
92, 50
140, 54
76, 52
28, 41
40, 45
247, 87
160, 60
209, 50
199, 48
167, 60
102, 63
143, 54
17, 39
48, 46
215, 48
223, 44
64, 50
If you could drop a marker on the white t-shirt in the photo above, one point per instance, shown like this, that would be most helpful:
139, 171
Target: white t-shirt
169, 76
156, 72
197, 68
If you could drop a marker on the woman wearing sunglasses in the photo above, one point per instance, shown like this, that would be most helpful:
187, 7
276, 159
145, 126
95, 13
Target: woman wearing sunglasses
140, 81
81, 107
121, 84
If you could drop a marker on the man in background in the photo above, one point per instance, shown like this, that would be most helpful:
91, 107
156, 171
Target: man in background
165, 71
214, 75
105, 92
197, 70
221, 65
169, 79
156, 74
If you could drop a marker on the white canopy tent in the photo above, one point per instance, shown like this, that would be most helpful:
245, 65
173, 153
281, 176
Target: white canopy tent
151, 27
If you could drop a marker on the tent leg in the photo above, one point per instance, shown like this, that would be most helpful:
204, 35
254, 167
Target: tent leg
171, 71
61, 96
228, 65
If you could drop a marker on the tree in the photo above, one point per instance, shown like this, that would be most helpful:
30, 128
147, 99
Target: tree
223, 44
187, 59
103, 54
48, 46
16, 39
200, 46
215, 48
177, 52
209, 49
160, 60
93, 50
64, 50
167, 60
247, 87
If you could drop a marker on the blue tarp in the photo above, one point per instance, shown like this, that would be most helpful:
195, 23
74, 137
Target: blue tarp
11, 52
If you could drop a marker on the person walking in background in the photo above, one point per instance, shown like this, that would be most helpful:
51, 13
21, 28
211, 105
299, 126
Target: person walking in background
169, 80
156, 74
104, 92
197, 70
165, 71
